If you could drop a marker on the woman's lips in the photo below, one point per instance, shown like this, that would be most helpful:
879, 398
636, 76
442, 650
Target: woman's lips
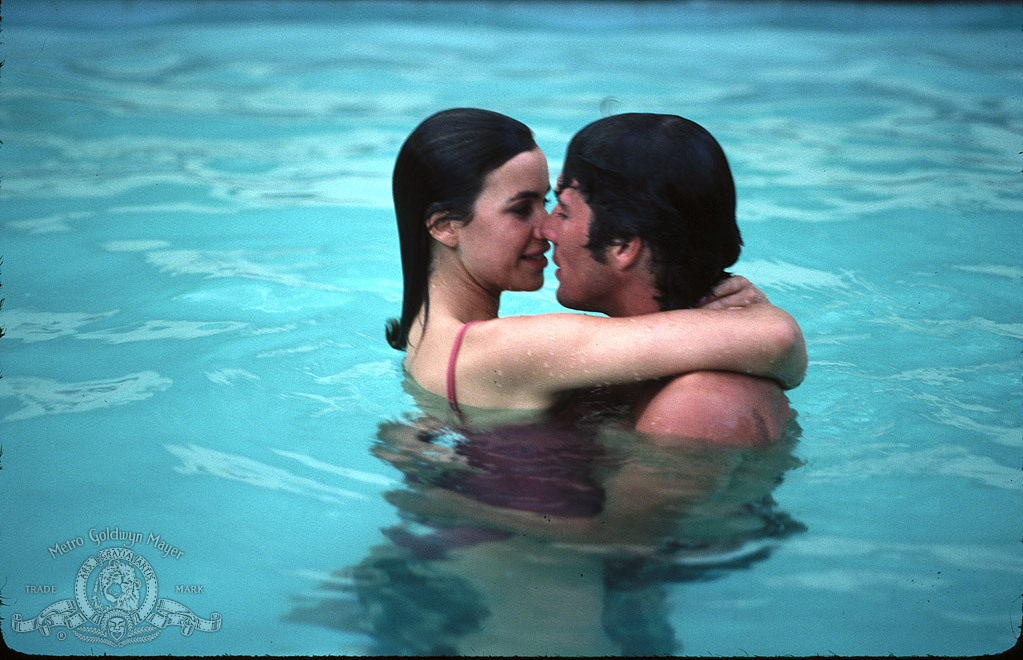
537, 260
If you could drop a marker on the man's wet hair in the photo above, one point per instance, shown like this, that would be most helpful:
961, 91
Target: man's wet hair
665, 180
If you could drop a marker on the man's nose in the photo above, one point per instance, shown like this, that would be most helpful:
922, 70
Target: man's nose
547, 230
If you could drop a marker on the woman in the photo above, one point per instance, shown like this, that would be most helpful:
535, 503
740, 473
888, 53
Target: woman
469, 192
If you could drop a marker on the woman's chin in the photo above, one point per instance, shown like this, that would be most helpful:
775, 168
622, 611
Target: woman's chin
535, 285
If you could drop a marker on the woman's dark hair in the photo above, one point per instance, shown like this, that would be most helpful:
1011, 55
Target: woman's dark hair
666, 180
441, 168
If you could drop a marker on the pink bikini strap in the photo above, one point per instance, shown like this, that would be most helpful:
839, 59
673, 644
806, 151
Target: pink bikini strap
451, 368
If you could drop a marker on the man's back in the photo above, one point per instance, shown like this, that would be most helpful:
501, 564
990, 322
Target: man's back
726, 408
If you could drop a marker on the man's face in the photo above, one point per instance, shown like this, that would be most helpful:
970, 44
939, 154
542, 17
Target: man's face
583, 282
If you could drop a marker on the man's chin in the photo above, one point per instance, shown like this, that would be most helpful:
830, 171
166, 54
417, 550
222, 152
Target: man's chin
571, 303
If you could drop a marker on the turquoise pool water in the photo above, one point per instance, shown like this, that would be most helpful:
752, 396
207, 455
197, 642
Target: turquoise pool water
197, 402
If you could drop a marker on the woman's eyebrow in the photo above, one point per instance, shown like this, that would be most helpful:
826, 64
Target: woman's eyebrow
528, 194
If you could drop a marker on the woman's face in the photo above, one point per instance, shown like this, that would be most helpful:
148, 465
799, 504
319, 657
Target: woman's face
501, 247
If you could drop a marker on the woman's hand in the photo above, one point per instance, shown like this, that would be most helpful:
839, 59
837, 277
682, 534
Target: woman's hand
737, 292
732, 293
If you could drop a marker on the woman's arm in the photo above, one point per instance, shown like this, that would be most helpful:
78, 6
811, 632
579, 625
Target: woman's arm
552, 353
736, 292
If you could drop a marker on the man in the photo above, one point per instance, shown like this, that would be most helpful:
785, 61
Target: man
645, 222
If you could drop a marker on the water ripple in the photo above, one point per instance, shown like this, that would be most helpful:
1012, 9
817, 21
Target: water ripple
357, 475
778, 274
230, 376
160, 329
45, 396
32, 326
944, 460
203, 460
227, 263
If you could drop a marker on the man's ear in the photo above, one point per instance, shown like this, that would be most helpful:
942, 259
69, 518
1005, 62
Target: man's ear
442, 228
627, 253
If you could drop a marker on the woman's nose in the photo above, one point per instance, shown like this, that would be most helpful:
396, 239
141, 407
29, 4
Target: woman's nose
540, 223
546, 228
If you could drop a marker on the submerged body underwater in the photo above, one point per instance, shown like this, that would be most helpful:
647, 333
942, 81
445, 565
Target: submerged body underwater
199, 257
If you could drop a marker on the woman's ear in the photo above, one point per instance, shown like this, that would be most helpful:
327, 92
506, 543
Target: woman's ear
442, 228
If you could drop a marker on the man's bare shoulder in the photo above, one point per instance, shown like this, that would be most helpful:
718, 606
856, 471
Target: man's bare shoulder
723, 407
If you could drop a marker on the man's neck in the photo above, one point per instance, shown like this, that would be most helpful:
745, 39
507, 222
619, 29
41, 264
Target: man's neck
631, 301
